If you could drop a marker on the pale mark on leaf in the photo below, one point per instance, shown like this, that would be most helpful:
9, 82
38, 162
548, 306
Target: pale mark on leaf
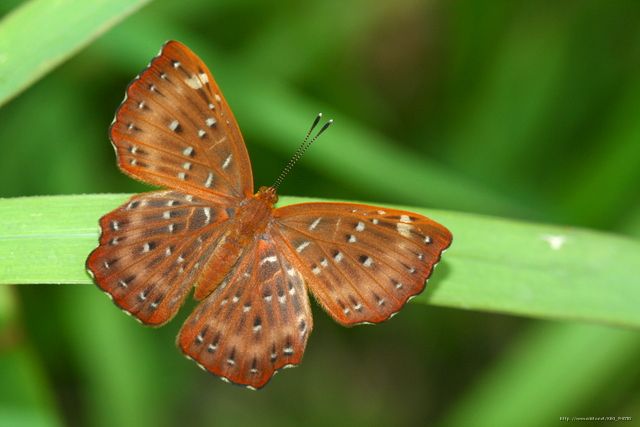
555, 241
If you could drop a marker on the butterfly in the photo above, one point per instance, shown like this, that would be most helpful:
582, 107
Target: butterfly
251, 264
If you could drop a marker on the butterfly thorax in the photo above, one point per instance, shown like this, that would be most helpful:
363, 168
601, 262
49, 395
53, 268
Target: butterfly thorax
247, 222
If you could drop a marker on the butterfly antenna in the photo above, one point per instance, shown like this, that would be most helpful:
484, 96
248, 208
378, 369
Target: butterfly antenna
306, 143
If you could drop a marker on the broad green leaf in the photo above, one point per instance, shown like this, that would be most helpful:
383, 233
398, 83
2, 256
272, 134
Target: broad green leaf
494, 264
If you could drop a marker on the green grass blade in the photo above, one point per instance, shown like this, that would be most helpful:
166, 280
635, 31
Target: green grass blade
69, 25
282, 122
550, 360
26, 398
494, 264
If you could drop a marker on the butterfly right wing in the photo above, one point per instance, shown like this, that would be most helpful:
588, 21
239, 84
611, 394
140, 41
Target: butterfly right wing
362, 263
152, 250
175, 129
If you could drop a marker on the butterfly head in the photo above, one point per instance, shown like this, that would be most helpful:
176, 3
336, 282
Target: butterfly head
268, 194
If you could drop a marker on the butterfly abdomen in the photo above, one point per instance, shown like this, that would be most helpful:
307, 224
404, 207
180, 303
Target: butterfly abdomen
247, 221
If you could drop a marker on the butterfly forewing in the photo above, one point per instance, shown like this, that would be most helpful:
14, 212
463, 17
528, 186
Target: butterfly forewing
361, 263
255, 323
175, 129
152, 249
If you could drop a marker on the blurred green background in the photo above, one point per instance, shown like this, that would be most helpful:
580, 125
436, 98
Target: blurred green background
526, 110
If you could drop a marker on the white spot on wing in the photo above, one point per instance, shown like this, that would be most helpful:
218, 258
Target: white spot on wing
174, 125
271, 259
227, 161
209, 180
404, 229
302, 246
315, 223
193, 82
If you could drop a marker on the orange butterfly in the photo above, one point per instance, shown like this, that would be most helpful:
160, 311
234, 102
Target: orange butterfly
250, 263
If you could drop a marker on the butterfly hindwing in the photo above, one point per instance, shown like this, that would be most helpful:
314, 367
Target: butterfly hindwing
152, 249
174, 129
362, 263
256, 322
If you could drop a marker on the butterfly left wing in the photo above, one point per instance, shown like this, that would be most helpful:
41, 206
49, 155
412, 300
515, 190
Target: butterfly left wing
153, 249
362, 263
256, 322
